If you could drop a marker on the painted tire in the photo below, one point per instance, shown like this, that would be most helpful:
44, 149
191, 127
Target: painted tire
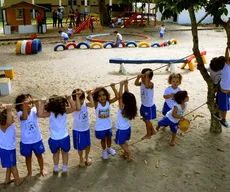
162, 44
168, 42
96, 44
143, 43
18, 47
122, 43
173, 41
83, 43
36, 46
108, 43
29, 47
71, 44
131, 43
155, 44
59, 45
23, 47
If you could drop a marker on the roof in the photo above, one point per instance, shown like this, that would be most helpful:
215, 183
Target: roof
24, 5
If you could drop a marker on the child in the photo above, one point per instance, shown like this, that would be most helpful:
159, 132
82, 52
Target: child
59, 140
162, 30
174, 80
81, 127
148, 108
126, 112
119, 20
103, 125
175, 114
31, 138
8, 145
70, 30
223, 93
118, 38
64, 37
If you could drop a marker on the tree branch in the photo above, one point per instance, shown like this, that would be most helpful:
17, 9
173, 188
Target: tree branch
202, 18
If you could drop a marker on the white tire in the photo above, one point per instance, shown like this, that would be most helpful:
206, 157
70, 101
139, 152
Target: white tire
23, 47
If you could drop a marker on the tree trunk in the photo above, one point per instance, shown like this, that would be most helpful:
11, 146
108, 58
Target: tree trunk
226, 26
103, 12
215, 124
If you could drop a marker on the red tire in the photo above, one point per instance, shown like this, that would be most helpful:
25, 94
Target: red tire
29, 47
71, 44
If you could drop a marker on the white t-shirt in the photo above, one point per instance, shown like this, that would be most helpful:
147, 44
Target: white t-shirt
162, 30
30, 131
215, 76
63, 34
119, 36
103, 117
8, 139
169, 90
180, 112
225, 77
80, 119
58, 126
121, 122
119, 20
147, 96
70, 30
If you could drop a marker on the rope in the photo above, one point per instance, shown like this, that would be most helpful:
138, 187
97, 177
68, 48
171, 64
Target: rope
195, 109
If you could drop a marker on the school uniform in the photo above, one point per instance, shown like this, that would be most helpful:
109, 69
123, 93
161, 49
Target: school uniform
148, 107
64, 36
31, 138
103, 124
119, 37
169, 103
8, 147
81, 129
169, 120
123, 133
59, 136
162, 31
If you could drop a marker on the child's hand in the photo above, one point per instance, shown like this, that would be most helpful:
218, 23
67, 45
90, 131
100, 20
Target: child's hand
147, 73
139, 75
112, 85
181, 118
88, 92
9, 107
126, 82
171, 95
68, 97
122, 83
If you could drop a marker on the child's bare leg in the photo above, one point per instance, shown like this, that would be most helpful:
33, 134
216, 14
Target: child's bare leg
87, 159
29, 166
125, 147
80, 153
148, 130
65, 159
153, 130
103, 143
173, 139
56, 157
17, 180
109, 141
8, 174
41, 165
158, 128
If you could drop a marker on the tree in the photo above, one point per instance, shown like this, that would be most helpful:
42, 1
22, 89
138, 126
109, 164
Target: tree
216, 8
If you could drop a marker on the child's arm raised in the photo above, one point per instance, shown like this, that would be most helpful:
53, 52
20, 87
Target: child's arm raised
175, 115
77, 103
227, 54
72, 107
90, 98
9, 117
24, 115
112, 85
41, 113
137, 81
126, 82
148, 83
120, 95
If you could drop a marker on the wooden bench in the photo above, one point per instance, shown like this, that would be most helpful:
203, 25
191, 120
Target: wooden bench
8, 71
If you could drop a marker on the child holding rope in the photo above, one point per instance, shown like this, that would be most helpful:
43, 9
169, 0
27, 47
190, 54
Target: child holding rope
148, 107
174, 80
103, 125
127, 111
8, 145
31, 138
57, 109
173, 116
81, 127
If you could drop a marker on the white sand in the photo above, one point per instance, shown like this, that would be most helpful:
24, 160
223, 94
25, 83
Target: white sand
200, 161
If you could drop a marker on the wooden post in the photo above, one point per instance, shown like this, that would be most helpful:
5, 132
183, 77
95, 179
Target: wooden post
3, 12
34, 16
60, 3
86, 7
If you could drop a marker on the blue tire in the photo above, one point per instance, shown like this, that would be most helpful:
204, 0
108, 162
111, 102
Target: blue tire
167, 42
36, 46
131, 43
83, 43
155, 44
108, 43
59, 45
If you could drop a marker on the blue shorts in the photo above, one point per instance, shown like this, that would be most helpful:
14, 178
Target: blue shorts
148, 113
81, 140
161, 34
66, 38
103, 134
165, 109
122, 136
63, 144
8, 158
223, 100
118, 43
27, 149
166, 122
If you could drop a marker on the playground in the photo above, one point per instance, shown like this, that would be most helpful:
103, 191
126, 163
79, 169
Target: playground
200, 161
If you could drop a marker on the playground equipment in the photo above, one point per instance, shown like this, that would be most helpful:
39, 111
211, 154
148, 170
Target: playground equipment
5, 86
91, 18
8, 71
27, 47
188, 61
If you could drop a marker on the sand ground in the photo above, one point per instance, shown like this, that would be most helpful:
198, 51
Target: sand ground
200, 161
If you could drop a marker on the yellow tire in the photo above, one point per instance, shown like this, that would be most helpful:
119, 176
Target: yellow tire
96, 44
143, 43
18, 47
173, 41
